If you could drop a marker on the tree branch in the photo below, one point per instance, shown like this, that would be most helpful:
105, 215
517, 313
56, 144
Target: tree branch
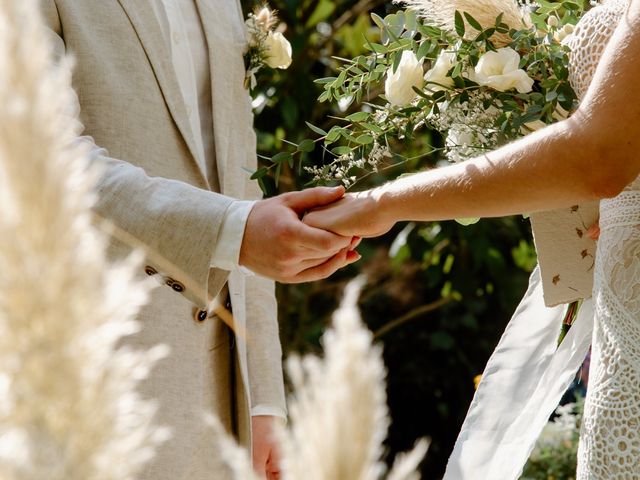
412, 315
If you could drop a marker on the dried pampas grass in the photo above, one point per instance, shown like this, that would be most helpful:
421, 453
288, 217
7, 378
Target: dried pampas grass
338, 412
441, 13
339, 415
338, 409
68, 407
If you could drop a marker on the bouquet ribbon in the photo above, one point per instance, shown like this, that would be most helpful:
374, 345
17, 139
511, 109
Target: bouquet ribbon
521, 386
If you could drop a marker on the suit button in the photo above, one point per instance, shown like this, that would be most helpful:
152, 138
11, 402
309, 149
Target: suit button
175, 285
150, 270
201, 315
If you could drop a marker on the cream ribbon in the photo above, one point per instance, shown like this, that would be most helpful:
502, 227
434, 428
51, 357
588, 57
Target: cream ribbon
521, 386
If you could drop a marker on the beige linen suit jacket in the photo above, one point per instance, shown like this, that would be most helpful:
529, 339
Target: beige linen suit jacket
154, 190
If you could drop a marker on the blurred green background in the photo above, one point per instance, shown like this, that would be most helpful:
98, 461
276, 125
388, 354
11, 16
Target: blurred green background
438, 294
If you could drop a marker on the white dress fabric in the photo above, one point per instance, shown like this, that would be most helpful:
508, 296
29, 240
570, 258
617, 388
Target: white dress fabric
610, 436
527, 374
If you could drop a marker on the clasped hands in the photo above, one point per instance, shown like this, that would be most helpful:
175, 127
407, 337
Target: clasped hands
305, 236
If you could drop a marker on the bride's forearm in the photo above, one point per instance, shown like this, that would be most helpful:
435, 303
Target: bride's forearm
592, 155
545, 170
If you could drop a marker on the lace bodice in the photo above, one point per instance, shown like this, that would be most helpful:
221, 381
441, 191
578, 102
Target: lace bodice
610, 436
589, 40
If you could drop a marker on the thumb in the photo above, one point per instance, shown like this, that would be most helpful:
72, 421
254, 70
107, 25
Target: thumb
311, 198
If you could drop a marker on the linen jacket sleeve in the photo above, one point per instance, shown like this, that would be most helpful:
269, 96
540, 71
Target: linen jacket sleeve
175, 223
179, 230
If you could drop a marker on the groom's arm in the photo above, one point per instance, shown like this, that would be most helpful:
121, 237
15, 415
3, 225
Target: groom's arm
178, 224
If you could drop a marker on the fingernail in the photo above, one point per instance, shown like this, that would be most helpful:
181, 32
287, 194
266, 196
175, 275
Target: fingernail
353, 256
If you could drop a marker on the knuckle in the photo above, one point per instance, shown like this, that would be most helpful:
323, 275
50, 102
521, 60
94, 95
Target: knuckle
285, 198
285, 231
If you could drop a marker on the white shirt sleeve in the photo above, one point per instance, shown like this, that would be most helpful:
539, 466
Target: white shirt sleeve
268, 410
226, 254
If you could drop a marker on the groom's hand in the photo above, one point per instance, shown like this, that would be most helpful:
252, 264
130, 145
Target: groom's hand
266, 456
278, 245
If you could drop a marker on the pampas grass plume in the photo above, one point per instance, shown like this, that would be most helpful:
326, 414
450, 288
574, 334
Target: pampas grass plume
338, 411
68, 407
339, 417
441, 13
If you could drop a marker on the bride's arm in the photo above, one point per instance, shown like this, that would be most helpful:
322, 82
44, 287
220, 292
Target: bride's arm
592, 155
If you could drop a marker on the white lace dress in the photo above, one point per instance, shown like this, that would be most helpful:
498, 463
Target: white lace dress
528, 372
610, 437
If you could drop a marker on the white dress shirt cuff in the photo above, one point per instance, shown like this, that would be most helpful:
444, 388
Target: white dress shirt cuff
226, 254
268, 410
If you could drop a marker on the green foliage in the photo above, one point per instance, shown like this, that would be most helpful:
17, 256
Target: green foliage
555, 454
359, 143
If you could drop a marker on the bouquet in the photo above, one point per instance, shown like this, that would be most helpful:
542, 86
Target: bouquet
480, 73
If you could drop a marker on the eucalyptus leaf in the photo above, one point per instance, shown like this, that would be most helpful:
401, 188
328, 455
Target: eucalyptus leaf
364, 139
261, 172
333, 135
324, 80
378, 20
473, 22
342, 150
358, 116
306, 145
317, 130
459, 24
281, 157
467, 221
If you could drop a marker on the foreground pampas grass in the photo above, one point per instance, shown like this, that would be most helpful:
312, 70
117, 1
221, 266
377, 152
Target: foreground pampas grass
67, 404
338, 412
442, 13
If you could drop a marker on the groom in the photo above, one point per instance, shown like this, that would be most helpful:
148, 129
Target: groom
160, 90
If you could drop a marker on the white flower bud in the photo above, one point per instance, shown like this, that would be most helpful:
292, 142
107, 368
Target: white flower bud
499, 70
277, 50
553, 21
436, 77
568, 29
399, 85
264, 18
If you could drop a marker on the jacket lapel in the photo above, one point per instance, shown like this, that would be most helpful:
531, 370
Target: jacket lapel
145, 23
226, 39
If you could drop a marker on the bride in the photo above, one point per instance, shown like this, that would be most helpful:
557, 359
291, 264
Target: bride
592, 155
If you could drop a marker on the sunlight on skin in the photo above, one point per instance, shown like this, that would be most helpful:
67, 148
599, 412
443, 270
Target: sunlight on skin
590, 156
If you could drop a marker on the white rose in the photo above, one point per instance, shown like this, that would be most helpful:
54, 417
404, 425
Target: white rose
436, 77
399, 85
277, 50
499, 70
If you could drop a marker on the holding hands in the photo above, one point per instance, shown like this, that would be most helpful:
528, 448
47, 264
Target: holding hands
356, 215
278, 245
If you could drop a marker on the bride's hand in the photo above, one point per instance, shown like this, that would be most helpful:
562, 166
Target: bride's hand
355, 215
